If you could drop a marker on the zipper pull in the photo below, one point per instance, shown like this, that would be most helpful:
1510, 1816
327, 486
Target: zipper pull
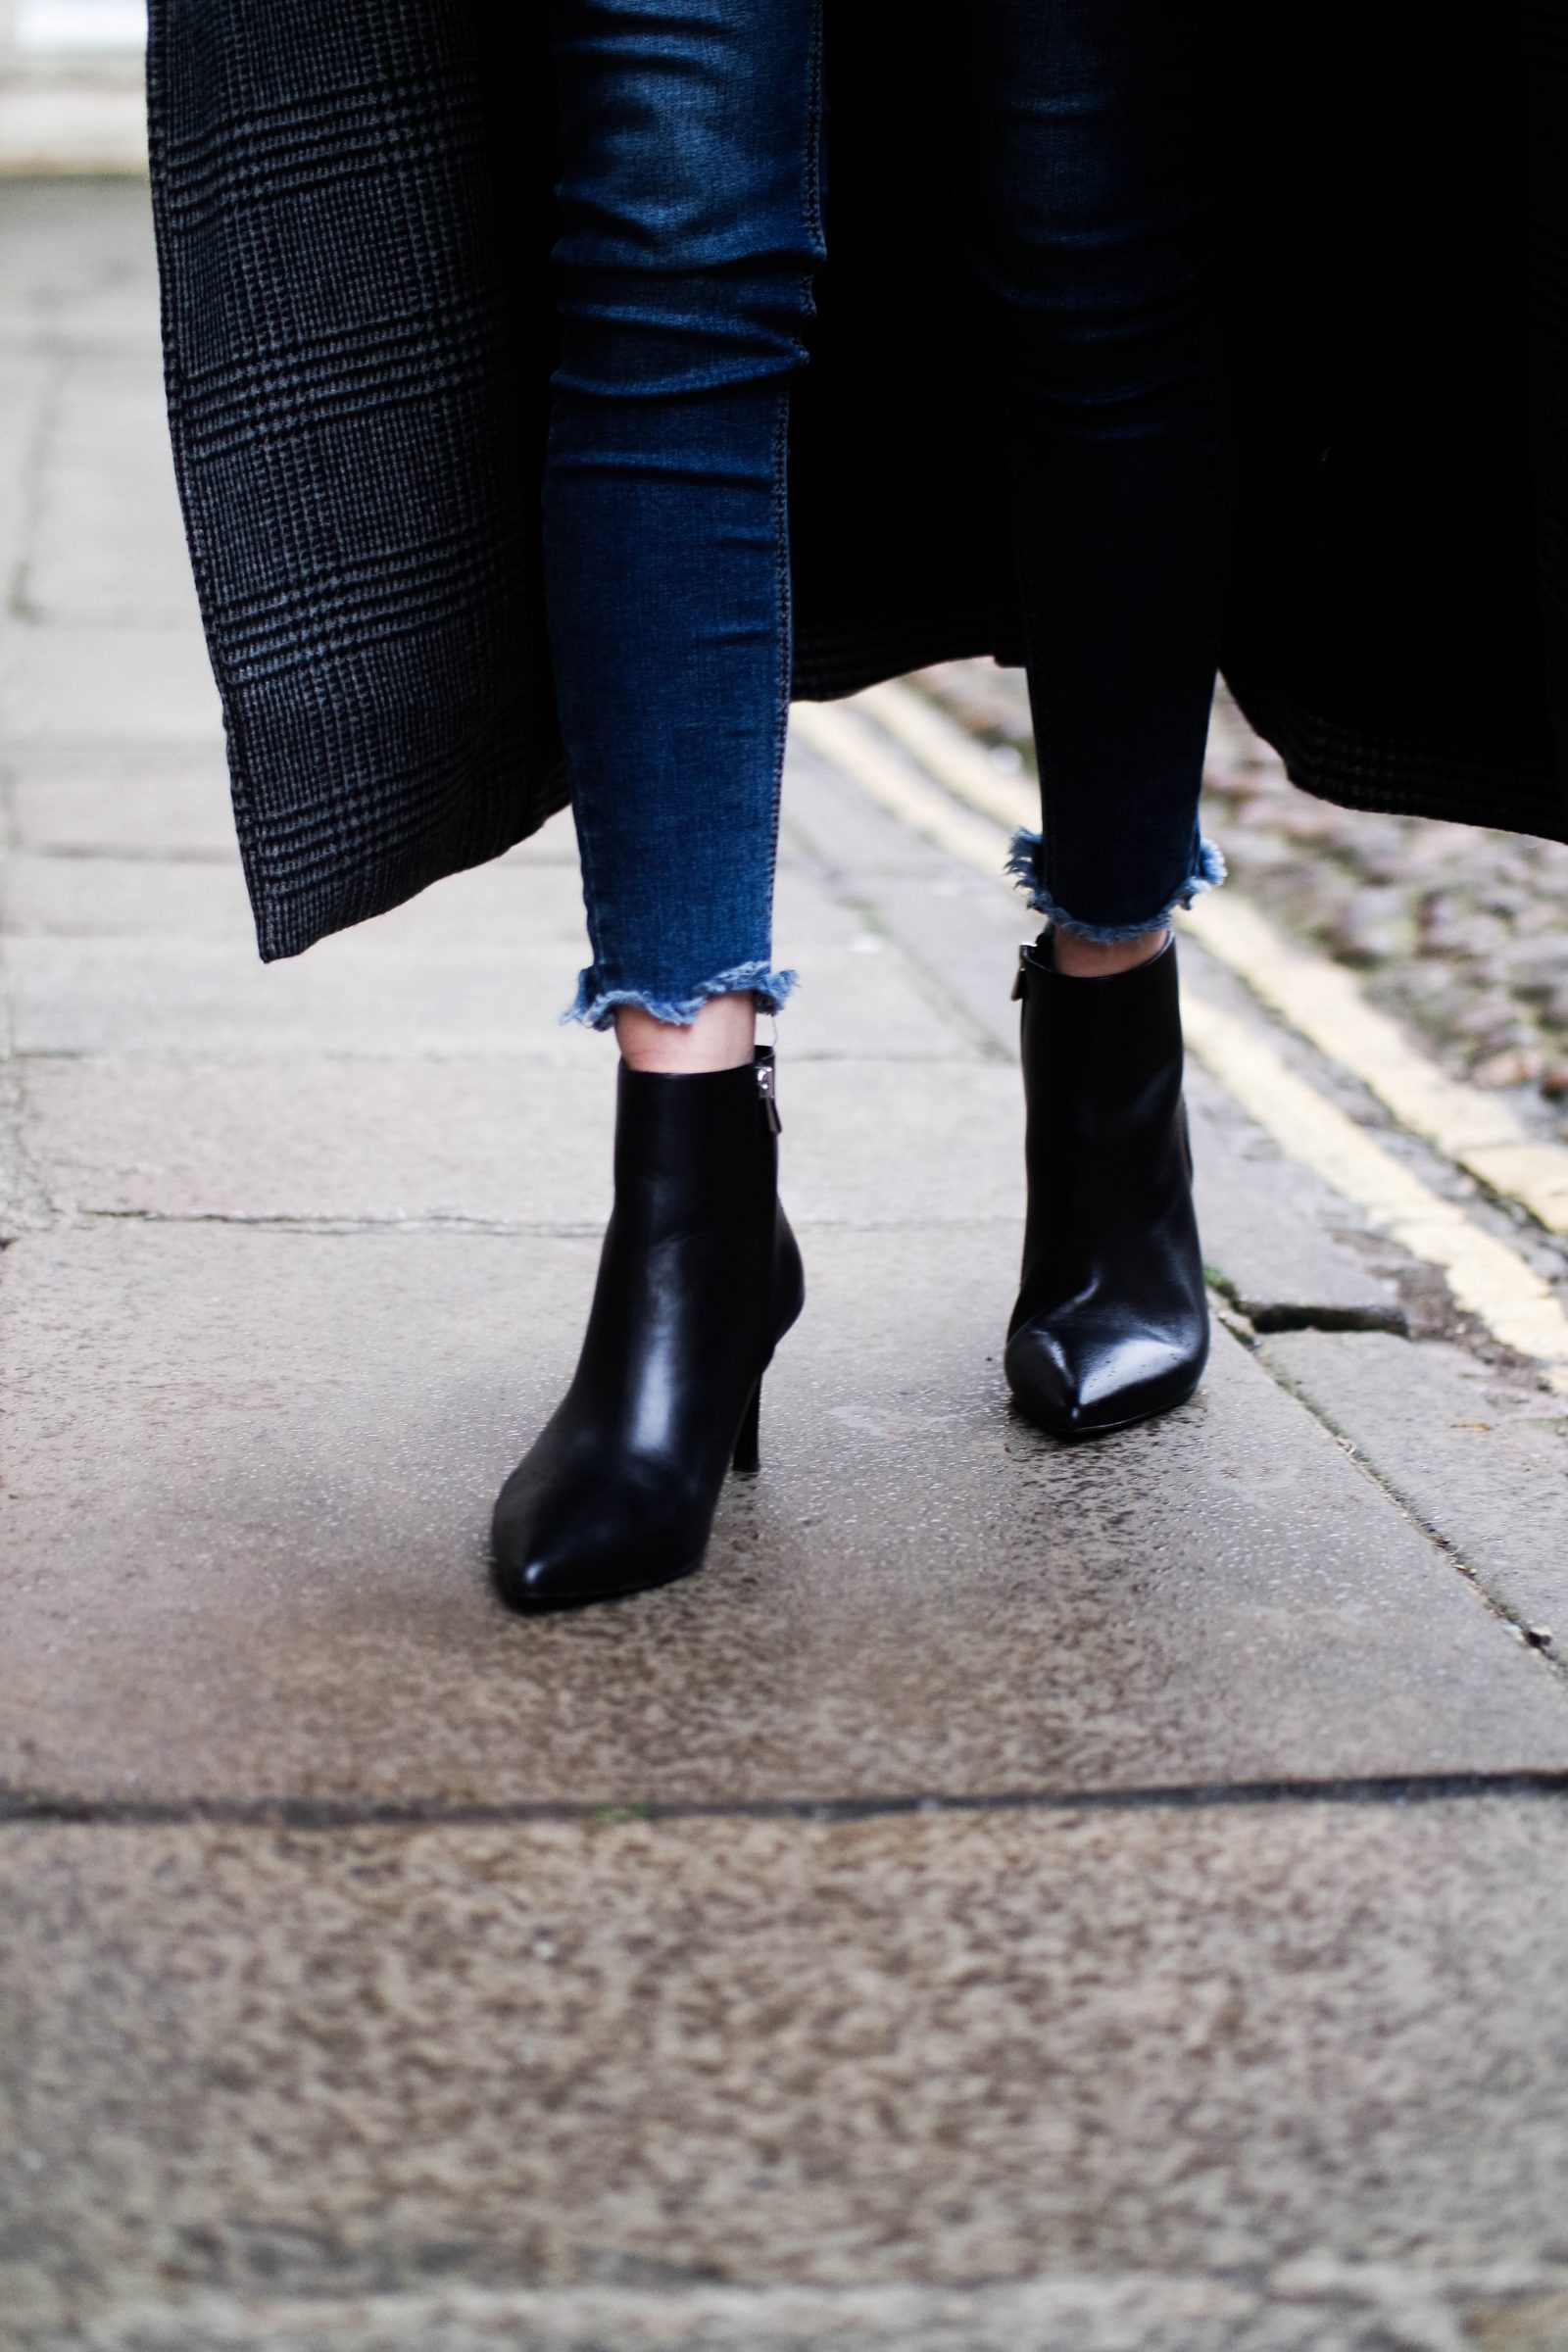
766, 1087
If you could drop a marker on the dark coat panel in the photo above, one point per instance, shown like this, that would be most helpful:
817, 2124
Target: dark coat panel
353, 212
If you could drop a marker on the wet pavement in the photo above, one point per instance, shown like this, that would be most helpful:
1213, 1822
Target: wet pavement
1017, 1896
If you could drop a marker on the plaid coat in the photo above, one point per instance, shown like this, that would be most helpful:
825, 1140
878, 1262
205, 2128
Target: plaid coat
353, 207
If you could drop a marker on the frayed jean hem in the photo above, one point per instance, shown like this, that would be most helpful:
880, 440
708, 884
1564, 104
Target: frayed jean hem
1023, 863
594, 1006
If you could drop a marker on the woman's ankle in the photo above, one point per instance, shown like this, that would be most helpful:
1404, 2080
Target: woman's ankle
721, 1037
1100, 960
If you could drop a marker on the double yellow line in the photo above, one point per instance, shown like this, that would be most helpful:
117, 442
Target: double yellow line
920, 767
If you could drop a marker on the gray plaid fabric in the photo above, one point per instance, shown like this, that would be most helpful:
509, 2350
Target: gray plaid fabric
356, 449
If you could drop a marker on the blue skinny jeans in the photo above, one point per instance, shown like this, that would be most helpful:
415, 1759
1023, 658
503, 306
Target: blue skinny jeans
692, 209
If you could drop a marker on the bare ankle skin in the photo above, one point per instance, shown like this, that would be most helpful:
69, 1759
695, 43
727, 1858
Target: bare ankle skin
721, 1037
1092, 960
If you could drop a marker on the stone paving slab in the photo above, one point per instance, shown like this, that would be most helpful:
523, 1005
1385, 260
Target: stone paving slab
362, 996
104, 683
922, 2049
107, 543
155, 799
251, 1475
24, 385
825, 815
1472, 1452
1509, 2307
484, 1142
954, 920
101, 963
1274, 1232
181, 995
76, 267
191, 897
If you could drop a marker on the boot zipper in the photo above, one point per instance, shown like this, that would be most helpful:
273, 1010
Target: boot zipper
765, 1087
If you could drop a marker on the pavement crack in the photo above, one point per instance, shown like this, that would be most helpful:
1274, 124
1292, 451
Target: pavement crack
1267, 1315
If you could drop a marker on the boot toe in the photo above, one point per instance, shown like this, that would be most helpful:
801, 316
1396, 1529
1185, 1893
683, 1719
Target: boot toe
1043, 1380
1082, 1385
560, 1549
536, 1578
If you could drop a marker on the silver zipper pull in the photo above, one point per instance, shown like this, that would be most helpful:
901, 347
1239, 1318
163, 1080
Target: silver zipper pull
765, 1087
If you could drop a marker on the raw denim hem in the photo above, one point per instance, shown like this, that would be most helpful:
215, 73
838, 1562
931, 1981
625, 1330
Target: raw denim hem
595, 1005
1023, 863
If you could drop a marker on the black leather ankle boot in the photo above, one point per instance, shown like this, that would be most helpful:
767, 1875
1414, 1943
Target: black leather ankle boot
1112, 1318
699, 1279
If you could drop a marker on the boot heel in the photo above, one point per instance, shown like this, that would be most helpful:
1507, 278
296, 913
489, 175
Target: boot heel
746, 1457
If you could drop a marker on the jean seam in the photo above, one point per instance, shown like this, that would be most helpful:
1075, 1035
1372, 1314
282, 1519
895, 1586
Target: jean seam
1038, 717
813, 133
784, 600
589, 893
785, 618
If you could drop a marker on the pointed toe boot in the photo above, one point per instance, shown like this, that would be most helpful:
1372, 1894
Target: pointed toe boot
1112, 1322
699, 1279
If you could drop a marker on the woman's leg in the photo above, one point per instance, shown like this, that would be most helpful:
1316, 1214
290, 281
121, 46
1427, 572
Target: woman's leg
1092, 233
691, 225
689, 230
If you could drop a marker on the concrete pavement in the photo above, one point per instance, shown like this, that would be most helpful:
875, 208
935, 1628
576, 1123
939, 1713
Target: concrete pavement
1016, 1896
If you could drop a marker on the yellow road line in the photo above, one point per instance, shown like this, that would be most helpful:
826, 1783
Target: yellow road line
1315, 996
1485, 1274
